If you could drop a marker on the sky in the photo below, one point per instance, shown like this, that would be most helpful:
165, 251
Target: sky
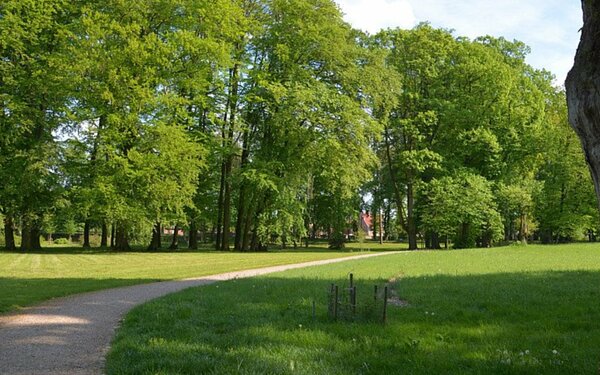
549, 27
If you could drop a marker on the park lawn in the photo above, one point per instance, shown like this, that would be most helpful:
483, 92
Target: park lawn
29, 278
515, 310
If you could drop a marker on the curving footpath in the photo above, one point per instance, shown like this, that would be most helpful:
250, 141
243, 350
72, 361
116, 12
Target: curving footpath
72, 335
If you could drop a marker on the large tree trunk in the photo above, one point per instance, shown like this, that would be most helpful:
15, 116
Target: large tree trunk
523, 228
121, 239
104, 235
86, 234
30, 236
9, 233
583, 89
35, 236
26, 243
155, 242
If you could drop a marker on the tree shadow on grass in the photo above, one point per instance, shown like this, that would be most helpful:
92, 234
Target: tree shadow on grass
512, 323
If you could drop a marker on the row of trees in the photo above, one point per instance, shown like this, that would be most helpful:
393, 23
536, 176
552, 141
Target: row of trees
271, 120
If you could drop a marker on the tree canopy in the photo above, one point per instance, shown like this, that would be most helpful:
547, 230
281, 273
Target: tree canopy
257, 122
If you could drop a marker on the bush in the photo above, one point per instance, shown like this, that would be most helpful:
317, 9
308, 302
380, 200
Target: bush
62, 241
337, 241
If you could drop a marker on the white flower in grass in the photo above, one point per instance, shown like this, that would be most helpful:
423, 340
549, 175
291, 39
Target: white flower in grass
554, 351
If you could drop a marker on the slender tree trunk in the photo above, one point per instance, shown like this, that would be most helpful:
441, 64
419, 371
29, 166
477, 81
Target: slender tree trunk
155, 242
246, 231
227, 206
241, 207
411, 225
386, 222
193, 238
9, 233
220, 208
233, 103
397, 193
583, 89
104, 235
380, 226
175, 239
113, 234
86, 234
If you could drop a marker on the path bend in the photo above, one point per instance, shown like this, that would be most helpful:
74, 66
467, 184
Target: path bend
72, 335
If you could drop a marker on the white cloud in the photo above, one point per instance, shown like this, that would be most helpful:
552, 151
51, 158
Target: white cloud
549, 27
374, 15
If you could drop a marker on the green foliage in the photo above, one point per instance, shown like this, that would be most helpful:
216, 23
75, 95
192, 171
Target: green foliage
271, 120
464, 209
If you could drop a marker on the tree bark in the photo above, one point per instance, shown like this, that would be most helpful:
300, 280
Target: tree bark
26, 236
9, 233
583, 89
155, 242
175, 239
104, 235
380, 226
121, 238
112, 236
523, 228
241, 210
397, 193
86, 234
220, 208
227, 205
35, 237
410, 218
193, 238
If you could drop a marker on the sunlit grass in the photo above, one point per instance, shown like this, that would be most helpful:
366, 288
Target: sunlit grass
519, 310
28, 278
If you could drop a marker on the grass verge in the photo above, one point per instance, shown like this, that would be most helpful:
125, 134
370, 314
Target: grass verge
28, 278
524, 310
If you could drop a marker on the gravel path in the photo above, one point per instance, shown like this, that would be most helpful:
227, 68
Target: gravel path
72, 335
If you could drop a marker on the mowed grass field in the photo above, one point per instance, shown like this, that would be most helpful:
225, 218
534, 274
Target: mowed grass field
29, 278
515, 310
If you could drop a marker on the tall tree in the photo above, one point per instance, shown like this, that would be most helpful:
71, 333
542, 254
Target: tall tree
34, 80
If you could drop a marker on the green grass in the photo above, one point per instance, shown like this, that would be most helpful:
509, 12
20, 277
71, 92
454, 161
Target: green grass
28, 278
516, 310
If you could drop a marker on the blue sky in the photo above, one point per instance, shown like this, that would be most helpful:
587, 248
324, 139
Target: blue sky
549, 27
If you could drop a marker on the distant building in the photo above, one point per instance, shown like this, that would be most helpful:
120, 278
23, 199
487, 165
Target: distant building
366, 224
169, 231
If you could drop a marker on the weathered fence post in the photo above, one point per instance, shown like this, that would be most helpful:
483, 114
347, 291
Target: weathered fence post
335, 303
353, 300
385, 297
